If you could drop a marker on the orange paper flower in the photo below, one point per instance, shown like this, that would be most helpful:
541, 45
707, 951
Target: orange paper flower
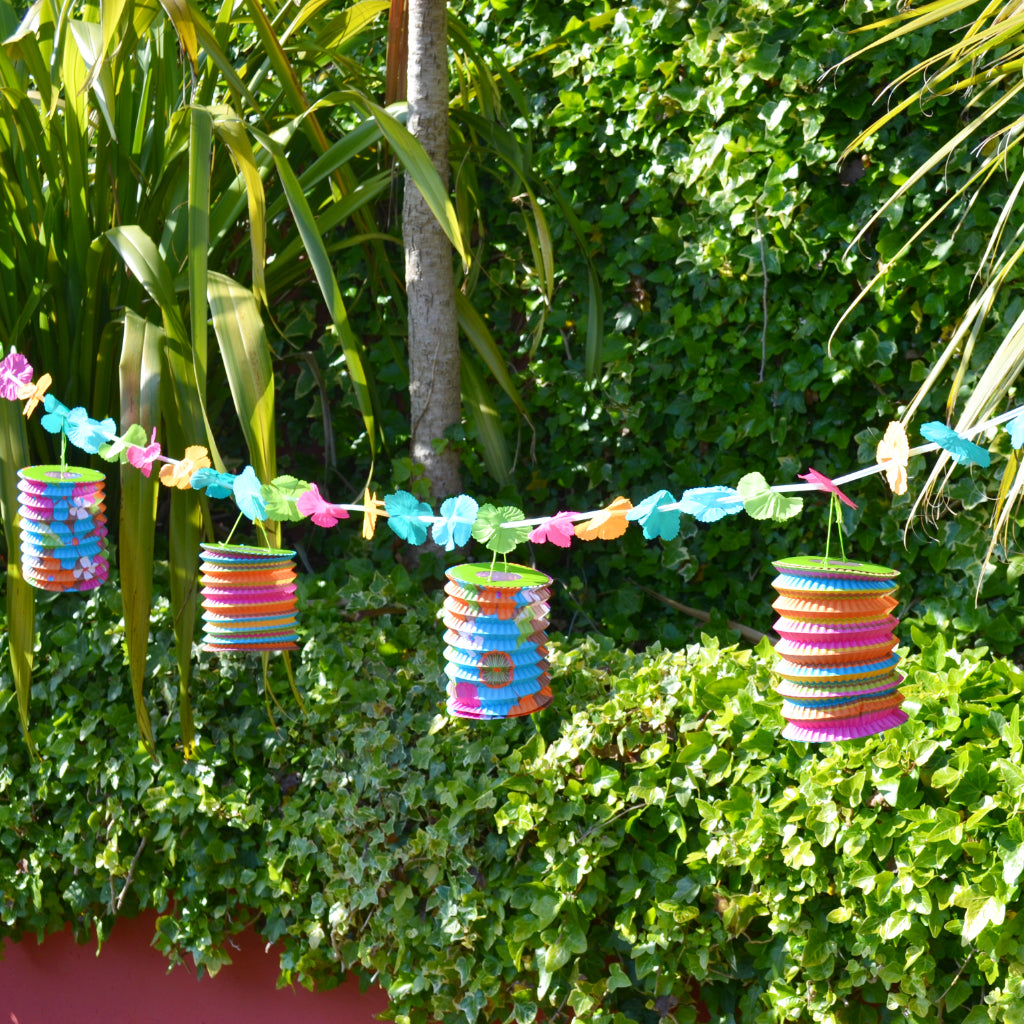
179, 474
608, 524
372, 507
34, 393
893, 454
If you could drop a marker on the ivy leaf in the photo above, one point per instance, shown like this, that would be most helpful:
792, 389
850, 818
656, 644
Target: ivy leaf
249, 495
981, 910
761, 502
281, 496
656, 523
495, 528
404, 511
117, 449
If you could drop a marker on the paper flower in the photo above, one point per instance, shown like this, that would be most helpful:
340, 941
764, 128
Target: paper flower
15, 372
495, 528
405, 513
32, 394
179, 474
56, 416
322, 512
608, 524
215, 484
893, 454
372, 507
249, 495
655, 521
79, 508
143, 458
761, 502
116, 450
961, 450
1016, 429
88, 434
812, 476
282, 498
458, 514
709, 504
558, 530
85, 569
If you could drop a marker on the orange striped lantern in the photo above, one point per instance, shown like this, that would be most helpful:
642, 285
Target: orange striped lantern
249, 601
835, 657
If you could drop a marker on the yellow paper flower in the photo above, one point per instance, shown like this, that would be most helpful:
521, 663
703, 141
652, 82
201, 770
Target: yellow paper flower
608, 524
179, 474
893, 454
372, 507
32, 394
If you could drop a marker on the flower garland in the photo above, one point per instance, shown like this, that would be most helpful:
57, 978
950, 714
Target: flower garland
498, 528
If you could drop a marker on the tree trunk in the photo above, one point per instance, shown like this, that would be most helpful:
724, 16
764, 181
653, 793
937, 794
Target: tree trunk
434, 376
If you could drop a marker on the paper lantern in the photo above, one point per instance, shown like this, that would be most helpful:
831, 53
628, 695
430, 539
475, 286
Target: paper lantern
63, 527
249, 601
835, 657
496, 622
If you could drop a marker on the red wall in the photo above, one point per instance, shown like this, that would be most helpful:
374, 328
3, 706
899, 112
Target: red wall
61, 982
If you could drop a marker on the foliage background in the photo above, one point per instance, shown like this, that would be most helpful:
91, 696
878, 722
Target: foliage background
699, 143
654, 829
651, 839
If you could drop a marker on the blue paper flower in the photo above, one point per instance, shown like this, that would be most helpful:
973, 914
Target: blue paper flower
1016, 429
216, 485
656, 523
961, 450
404, 511
709, 504
88, 434
456, 526
249, 495
56, 415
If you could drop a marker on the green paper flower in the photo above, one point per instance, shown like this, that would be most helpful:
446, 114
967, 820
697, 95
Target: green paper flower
281, 496
496, 537
117, 450
761, 502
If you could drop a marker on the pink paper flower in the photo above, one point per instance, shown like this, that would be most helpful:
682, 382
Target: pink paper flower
559, 530
14, 372
812, 476
323, 513
143, 458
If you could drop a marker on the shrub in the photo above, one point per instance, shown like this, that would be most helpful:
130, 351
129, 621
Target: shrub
648, 844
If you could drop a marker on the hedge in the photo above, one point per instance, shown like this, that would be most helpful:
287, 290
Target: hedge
646, 845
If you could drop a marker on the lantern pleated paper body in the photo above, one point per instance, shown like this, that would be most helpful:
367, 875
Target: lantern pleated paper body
249, 601
835, 656
63, 527
496, 640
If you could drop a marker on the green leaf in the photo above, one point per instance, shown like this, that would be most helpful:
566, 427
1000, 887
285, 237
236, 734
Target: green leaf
980, 912
21, 599
246, 355
140, 404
